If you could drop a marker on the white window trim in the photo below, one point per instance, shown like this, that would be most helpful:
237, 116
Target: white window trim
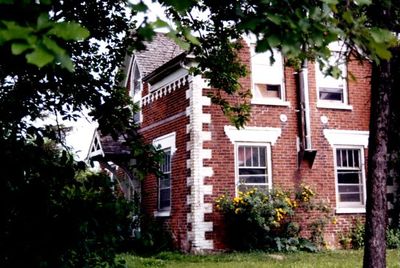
164, 142
253, 134
344, 210
264, 100
347, 137
269, 163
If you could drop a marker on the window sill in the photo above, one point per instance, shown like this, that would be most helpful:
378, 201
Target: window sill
349, 210
333, 105
272, 102
162, 214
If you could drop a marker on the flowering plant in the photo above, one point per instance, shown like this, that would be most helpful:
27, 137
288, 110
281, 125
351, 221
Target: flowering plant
257, 218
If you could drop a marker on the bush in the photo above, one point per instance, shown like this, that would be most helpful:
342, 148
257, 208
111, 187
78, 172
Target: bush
150, 237
258, 220
393, 238
353, 238
54, 214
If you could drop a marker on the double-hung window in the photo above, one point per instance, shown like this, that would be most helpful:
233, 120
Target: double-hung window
332, 91
350, 179
166, 143
253, 166
267, 78
164, 183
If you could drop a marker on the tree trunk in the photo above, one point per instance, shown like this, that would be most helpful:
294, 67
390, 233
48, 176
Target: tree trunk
394, 137
375, 224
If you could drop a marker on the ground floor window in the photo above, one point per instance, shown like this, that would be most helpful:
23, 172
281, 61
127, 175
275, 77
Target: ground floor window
164, 183
253, 166
350, 177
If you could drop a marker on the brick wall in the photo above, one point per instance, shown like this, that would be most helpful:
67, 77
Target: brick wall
160, 117
285, 171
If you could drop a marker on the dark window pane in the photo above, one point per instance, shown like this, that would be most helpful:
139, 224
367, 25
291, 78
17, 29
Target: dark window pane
357, 158
247, 171
335, 94
263, 162
344, 158
350, 154
248, 156
350, 198
349, 177
338, 158
244, 188
241, 157
165, 198
350, 189
252, 179
255, 156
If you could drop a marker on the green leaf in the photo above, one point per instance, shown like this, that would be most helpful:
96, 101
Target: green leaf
53, 46
39, 57
179, 5
43, 21
19, 48
274, 40
14, 31
141, 7
66, 62
363, 2
331, 2
159, 23
70, 31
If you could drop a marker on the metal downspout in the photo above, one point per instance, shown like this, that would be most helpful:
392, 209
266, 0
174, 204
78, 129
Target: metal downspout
306, 102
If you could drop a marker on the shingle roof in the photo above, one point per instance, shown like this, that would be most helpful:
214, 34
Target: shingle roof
158, 52
114, 147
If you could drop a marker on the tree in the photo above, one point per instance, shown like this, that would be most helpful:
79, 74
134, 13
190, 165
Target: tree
302, 30
50, 215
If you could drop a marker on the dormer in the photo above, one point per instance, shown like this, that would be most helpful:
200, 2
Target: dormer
332, 92
267, 77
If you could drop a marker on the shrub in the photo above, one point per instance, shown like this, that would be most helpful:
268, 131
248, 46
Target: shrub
150, 237
393, 238
56, 215
258, 220
353, 238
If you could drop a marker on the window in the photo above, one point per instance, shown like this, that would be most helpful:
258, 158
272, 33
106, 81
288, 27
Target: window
164, 183
267, 78
136, 91
350, 179
332, 92
253, 166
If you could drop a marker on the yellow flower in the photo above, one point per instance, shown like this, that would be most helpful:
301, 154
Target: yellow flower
237, 211
334, 220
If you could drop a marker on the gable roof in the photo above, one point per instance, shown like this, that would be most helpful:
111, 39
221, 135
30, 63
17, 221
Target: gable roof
106, 146
158, 52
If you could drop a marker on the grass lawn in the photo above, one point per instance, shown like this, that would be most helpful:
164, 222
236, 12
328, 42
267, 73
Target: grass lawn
338, 258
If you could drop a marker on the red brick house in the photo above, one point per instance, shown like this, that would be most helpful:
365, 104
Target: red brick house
304, 128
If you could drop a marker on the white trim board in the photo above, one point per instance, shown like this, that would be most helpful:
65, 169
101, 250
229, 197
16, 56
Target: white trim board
346, 137
253, 134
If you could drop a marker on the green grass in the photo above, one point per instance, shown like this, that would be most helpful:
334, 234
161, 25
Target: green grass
327, 259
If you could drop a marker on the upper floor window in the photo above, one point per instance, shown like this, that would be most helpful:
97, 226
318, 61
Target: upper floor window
253, 166
350, 179
332, 92
136, 90
267, 78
